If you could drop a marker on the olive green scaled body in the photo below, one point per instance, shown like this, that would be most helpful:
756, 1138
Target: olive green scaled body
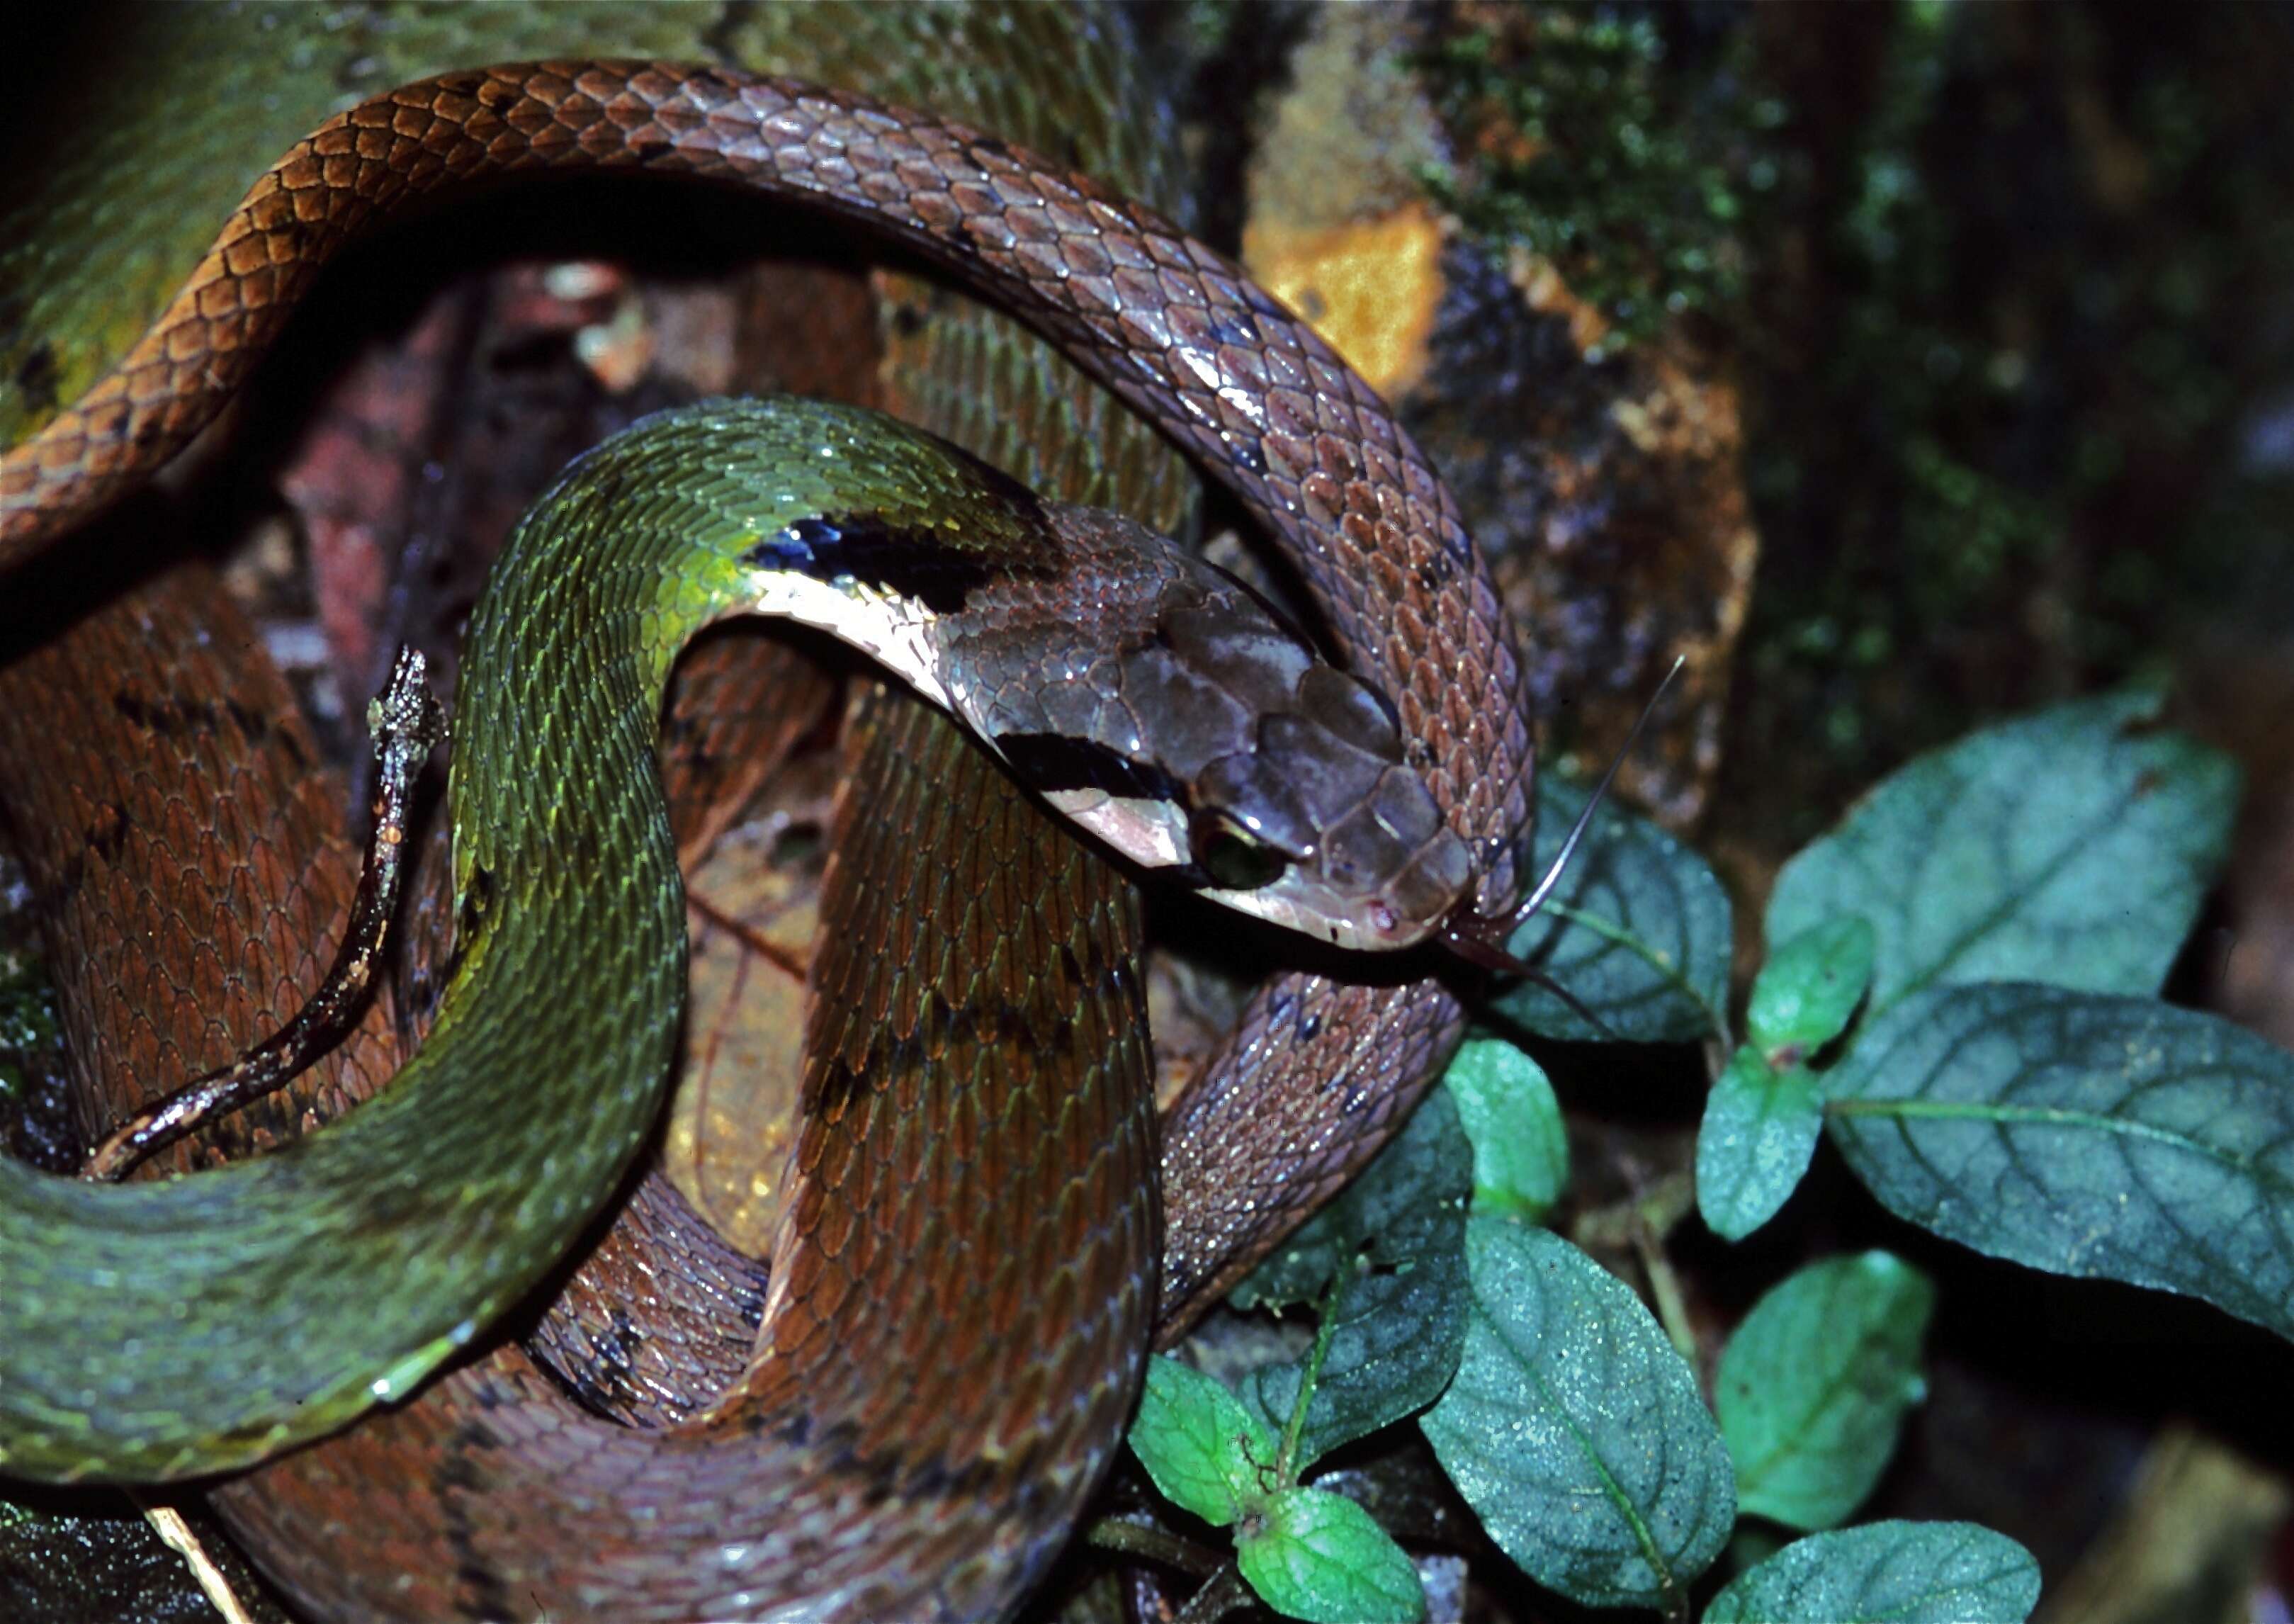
186, 1307
182, 1328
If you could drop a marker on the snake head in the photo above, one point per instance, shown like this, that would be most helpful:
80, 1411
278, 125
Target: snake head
1322, 827
1166, 707
1219, 752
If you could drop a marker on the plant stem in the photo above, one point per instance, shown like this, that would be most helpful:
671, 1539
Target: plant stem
1130, 1538
1286, 1463
1664, 1285
1215, 1599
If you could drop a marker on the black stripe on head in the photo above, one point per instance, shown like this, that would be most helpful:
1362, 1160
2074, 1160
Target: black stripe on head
1049, 762
861, 548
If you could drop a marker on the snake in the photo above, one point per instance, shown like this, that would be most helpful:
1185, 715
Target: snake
1165, 321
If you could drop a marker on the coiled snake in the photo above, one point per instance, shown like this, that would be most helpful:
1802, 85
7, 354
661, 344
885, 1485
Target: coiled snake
295, 1289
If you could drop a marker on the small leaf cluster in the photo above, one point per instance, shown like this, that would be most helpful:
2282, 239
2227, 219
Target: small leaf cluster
1385, 1267
1962, 997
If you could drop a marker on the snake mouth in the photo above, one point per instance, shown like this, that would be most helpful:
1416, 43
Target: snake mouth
1479, 940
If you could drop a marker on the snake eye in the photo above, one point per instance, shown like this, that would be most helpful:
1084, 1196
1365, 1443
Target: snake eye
1234, 858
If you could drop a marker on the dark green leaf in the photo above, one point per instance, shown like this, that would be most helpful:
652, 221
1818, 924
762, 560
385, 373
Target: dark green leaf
1573, 1429
1761, 1127
2071, 847
2109, 1136
1638, 931
1296, 1271
1521, 1146
1393, 1345
1805, 993
1887, 1573
1398, 1233
1411, 1195
1814, 1386
1207, 1453
1319, 1556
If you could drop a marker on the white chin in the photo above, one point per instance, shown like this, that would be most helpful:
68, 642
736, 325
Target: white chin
1288, 913
1153, 834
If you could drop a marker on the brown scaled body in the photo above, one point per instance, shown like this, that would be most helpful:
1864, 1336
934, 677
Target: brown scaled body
1315, 1073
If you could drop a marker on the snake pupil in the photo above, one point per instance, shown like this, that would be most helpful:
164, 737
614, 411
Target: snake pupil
1236, 860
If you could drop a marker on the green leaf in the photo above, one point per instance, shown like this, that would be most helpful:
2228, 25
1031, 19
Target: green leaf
1814, 1386
1319, 1556
1521, 1146
1887, 1573
2115, 1138
1638, 931
1207, 1453
1573, 1429
2071, 847
1805, 993
1412, 1193
1761, 1127
1399, 1234
1394, 1342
